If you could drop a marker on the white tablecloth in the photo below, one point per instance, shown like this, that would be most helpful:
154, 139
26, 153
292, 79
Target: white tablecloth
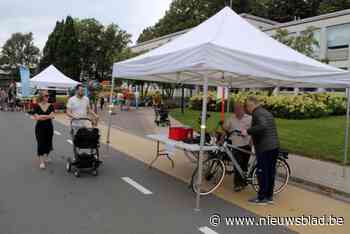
179, 144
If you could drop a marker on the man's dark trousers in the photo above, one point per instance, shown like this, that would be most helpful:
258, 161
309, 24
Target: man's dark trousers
266, 164
243, 161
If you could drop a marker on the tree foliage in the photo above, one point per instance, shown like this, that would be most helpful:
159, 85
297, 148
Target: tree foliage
84, 48
327, 6
19, 50
303, 43
68, 50
184, 14
50, 52
62, 49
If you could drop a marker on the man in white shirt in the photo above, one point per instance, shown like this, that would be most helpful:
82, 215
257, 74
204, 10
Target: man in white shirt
78, 106
239, 120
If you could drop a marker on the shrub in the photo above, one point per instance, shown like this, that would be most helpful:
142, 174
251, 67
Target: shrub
302, 106
196, 102
62, 99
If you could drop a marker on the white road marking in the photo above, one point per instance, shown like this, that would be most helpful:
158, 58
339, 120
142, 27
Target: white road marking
207, 230
70, 142
57, 133
26, 114
137, 186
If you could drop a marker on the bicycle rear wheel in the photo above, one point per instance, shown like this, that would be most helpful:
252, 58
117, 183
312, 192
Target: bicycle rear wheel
281, 179
212, 176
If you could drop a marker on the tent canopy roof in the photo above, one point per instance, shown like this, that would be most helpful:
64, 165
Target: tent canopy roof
230, 51
52, 77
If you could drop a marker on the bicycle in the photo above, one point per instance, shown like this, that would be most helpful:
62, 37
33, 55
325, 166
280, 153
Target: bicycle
218, 164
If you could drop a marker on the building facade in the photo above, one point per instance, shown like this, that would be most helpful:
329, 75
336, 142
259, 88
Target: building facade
332, 31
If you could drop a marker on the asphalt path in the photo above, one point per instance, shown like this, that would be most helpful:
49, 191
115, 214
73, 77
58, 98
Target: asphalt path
126, 197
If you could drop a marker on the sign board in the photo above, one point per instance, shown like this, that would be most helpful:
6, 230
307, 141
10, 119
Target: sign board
25, 81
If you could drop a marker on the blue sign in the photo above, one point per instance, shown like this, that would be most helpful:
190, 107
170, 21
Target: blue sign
25, 81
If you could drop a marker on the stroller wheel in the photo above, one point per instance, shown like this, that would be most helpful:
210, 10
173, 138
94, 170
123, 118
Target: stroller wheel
77, 174
94, 172
69, 165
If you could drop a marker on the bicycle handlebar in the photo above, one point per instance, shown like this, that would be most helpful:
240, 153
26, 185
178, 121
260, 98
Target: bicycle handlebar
80, 119
236, 131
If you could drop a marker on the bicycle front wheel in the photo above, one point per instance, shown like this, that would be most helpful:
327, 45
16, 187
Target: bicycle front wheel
212, 176
281, 179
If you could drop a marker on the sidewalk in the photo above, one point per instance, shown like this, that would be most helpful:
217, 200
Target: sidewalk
325, 174
293, 202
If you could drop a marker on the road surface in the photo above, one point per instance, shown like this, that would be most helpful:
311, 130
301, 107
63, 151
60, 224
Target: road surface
125, 198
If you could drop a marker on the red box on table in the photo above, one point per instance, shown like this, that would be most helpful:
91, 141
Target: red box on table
180, 133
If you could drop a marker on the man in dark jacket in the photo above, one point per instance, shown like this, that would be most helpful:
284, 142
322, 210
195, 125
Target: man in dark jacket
266, 143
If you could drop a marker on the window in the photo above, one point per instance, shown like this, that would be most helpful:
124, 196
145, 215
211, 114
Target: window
338, 37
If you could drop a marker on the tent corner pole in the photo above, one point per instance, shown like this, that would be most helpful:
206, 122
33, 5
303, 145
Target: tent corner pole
202, 140
346, 144
110, 112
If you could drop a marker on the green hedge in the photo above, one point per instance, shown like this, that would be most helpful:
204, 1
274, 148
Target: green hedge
62, 99
302, 106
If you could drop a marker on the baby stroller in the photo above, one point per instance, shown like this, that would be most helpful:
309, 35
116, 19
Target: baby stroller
85, 147
162, 116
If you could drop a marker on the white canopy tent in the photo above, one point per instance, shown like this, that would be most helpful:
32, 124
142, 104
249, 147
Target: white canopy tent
51, 77
226, 50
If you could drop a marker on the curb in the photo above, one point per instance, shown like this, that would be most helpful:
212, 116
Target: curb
321, 189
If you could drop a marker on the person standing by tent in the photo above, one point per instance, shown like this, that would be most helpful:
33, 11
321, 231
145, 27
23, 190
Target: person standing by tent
92, 95
102, 102
3, 98
266, 143
11, 96
239, 120
137, 97
43, 113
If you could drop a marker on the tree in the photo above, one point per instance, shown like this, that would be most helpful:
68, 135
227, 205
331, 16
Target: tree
303, 43
19, 50
146, 35
62, 49
113, 43
184, 14
89, 33
68, 52
85, 48
50, 55
327, 6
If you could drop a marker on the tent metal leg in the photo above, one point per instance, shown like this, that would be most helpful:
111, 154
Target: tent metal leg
202, 141
228, 100
110, 112
346, 145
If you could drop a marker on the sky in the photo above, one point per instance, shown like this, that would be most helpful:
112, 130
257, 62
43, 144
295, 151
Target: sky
40, 16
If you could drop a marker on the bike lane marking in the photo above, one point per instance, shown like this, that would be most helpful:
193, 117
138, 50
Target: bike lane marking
207, 230
136, 185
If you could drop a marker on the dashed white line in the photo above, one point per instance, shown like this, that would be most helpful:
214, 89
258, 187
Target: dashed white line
207, 230
70, 142
57, 133
137, 186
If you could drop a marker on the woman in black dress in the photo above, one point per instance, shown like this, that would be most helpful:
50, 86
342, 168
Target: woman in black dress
43, 113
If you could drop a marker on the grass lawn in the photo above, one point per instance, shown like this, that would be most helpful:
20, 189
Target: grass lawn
316, 138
